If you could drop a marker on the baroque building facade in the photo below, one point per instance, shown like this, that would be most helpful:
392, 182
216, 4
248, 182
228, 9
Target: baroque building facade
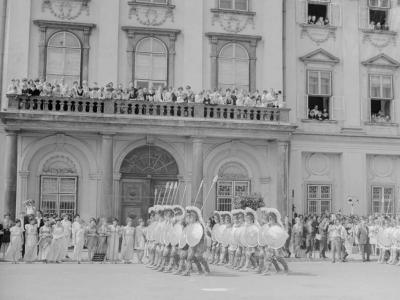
112, 158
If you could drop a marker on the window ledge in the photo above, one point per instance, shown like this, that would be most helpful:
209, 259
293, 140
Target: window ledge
232, 11
319, 122
383, 32
382, 124
326, 27
134, 4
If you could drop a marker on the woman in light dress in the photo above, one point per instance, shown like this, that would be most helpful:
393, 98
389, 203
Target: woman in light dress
31, 239
45, 238
14, 250
66, 223
128, 236
78, 239
297, 236
91, 238
57, 246
140, 240
102, 232
113, 241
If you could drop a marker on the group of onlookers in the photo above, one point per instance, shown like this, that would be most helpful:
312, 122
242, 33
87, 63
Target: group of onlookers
378, 26
234, 96
321, 21
343, 235
49, 238
380, 117
317, 114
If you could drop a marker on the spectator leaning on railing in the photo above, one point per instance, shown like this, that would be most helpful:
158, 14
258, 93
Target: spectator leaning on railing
238, 97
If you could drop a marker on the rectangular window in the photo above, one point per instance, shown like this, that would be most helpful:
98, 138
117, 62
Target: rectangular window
378, 14
319, 198
228, 190
382, 200
58, 195
381, 95
319, 90
242, 5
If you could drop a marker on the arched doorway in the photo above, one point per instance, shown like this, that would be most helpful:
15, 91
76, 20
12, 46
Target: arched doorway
145, 170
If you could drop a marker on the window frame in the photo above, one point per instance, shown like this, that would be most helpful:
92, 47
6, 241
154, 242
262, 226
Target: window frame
151, 81
309, 70
380, 7
318, 199
392, 200
234, 183
370, 75
59, 178
65, 48
234, 8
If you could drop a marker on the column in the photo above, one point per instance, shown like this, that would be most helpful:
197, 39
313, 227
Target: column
105, 207
282, 177
197, 170
253, 63
10, 173
214, 63
85, 54
171, 60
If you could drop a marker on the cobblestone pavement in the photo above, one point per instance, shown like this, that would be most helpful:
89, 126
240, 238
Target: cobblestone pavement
307, 280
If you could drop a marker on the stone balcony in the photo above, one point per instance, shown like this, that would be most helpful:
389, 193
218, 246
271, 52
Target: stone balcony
25, 111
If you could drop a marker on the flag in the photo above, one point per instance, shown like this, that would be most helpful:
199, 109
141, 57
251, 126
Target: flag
215, 179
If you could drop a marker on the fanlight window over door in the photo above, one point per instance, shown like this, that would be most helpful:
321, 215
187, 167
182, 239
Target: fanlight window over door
64, 53
151, 63
233, 67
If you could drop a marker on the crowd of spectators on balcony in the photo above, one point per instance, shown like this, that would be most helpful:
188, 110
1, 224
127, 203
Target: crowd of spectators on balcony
378, 26
239, 97
321, 21
317, 114
380, 117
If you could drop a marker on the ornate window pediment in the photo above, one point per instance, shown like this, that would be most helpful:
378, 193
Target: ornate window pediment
59, 165
320, 56
151, 13
382, 61
66, 9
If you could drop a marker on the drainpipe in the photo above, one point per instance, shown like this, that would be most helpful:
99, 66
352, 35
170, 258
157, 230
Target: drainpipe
284, 51
3, 11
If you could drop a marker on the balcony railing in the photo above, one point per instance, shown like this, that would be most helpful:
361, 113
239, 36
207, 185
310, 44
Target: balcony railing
107, 107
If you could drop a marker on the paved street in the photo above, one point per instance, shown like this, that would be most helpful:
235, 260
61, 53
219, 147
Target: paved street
308, 280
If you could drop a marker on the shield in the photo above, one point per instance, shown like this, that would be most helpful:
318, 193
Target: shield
194, 234
384, 238
219, 233
225, 236
262, 241
167, 233
242, 233
214, 231
237, 235
250, 237
156, 232
176, 234
231, 238
276, 237
182, 238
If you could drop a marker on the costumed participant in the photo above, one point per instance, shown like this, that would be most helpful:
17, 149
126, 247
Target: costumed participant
240, 255
31, 239
45, 238
114, 231
128, 237
91, 238
393, 253
262, 218
175, 237
183, 245
165, 236
225, 238
14, 251
150, 243
78, 239
383, 242
249, 238
57, 249
5, 234
67, 225
102, 245
276, 237
233, 242
397, 241
158, 229
139, 241
215, 245
195, 237
297, 237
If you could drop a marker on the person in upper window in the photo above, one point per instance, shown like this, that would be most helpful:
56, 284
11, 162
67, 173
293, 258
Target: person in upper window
158, 94
311, 115
56, 90
326, 21
378, 26
309, 20
320, 21
118, 92
325, 114
313, 19
199, 97
46, 90
33, 90
86, 90
79, 92
319, 116
190, 94
150, 95
95, 91
372, 25
207, 98
316, 110
131, 91
74, 89
140, 95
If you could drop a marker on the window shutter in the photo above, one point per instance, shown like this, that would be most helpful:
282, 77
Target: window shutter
363, 15
337, 108
143, 66
301, 11
305, 106
225, 72
336, 14
242, 73
312, 83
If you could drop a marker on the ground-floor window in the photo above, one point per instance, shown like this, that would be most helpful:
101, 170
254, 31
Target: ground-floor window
227, 190
382, 199
319, 198
58, 194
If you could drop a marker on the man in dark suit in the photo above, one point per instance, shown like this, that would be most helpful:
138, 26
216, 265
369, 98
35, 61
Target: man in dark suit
363, 239
24, 218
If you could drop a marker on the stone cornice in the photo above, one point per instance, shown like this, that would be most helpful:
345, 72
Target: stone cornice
233, 37
64, 25
233, 11
150, 31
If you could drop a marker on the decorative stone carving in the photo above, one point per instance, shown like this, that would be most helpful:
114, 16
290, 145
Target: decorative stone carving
59, 165
379, 39
318, 164
318, 34
66, 9
382, 166
151, 14
232, 21
233, 171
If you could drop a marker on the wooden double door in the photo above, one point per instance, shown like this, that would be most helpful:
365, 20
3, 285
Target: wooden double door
137, 195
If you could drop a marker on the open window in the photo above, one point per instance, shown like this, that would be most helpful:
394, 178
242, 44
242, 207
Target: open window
319, 92
378, 11
318, 12
381, 97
